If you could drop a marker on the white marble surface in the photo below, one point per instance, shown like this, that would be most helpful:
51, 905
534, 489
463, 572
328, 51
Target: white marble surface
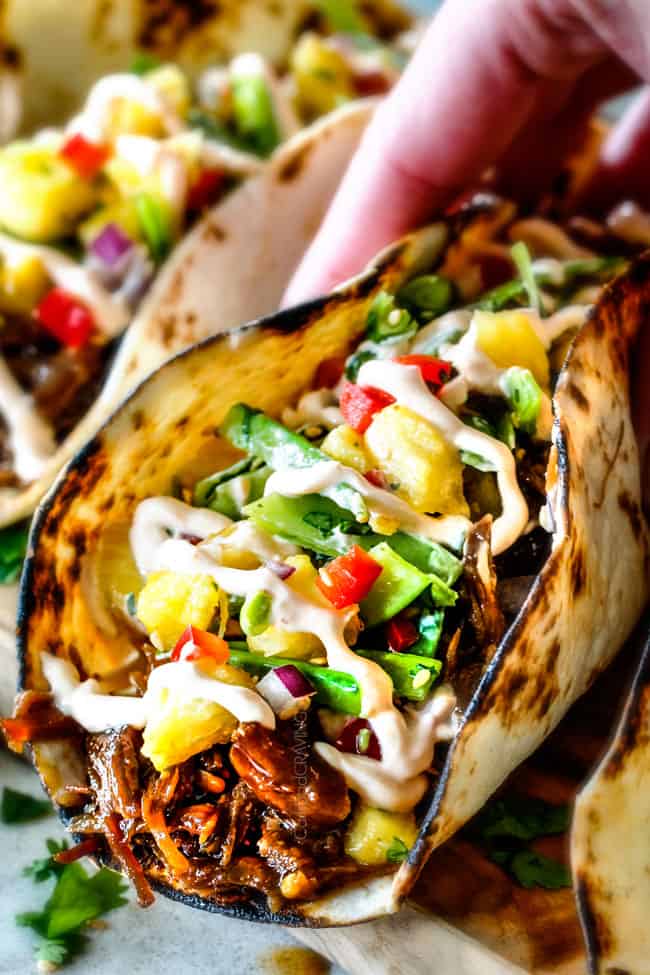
166, 938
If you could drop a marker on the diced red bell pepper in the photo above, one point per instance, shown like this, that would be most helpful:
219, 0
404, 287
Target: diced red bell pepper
205, 190
329, 372
358, 738
349, 578
377, 478
434, 371
401, 633
196, 644
86, 157
65, 317
360, 403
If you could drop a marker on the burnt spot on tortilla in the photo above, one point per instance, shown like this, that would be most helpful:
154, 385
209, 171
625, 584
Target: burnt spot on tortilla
597, 934
578, 571
10, 57
215, 232
295, 164
90, 466
575, 393
632, 509
181, 423
163, 21
137, 419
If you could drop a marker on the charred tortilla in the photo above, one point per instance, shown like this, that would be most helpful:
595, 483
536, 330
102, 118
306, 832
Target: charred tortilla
577, 610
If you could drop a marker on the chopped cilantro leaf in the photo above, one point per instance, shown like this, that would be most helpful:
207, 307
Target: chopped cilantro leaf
18, 807
43, 868
522, 818
398, 851
143, 63
532, 869
77, 898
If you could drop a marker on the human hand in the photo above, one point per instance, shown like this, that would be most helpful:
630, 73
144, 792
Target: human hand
510, 83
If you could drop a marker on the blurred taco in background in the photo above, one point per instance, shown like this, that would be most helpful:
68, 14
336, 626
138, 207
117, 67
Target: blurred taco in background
58, 51
322, 583
139, 206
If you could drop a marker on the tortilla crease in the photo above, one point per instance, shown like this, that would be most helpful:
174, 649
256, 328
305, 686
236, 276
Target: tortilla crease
59, 49
238, 259
579, 612
609, 844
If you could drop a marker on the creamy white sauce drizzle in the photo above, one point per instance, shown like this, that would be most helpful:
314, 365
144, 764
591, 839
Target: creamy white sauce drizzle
441, 329
318, 407
94, 118
161, 160
155, 518
31, 438
324, 478
97, 711
406, 385
246, 537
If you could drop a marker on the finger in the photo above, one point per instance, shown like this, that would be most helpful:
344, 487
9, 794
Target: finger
471, 87
622, 171
531, 165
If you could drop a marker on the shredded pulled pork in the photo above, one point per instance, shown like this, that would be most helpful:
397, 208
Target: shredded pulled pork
274, 769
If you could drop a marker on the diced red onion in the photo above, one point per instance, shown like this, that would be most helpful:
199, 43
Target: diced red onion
273, 688
295, 682
377, 478
111, 244
280, 569
358, 738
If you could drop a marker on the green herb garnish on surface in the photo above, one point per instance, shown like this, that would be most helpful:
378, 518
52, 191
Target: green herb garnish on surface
523, 261
507, 826
13, 546
18, 807
143, 63
77, 898
343, 16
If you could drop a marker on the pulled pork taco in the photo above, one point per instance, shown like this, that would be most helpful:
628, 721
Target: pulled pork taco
322, 583
129, 210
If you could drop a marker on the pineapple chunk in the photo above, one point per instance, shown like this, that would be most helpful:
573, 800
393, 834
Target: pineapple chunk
173, 85
322, 76
508, 339
170, 602
347, 447
179, 728
23, 285
124, 214
275, 642
126, 117
372, 833
424, 468
41, 197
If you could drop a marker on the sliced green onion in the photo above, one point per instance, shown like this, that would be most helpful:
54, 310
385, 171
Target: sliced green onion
143, 63
398, 585
479, 463
523, 261
524, 396
253, 113
427, 297
430, 629
354, 363
386, 320
155, 223
255, 613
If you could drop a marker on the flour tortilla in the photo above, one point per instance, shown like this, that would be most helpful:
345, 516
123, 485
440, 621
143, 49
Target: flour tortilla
579, 611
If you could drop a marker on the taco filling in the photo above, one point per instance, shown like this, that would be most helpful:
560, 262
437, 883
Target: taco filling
90, 212
312, 620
